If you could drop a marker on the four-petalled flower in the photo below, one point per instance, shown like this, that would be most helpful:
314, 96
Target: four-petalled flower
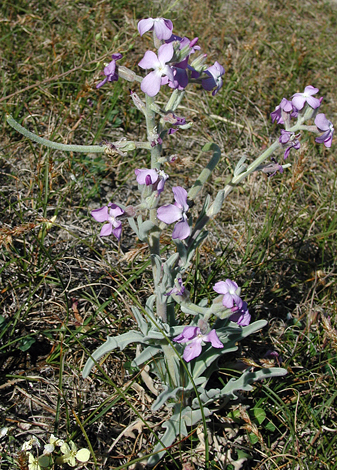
229, 290
195, 340
155, 177
299, 99
176, 212
162, 27
151, 82
109, 214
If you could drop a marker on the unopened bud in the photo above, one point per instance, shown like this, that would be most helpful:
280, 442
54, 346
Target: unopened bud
126, 73
198, 63
138, 102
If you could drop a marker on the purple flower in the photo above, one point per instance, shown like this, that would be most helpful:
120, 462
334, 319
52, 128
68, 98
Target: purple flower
299, 99
110, 71
272, 168
176, 211
175, 121
195, 339
109, 214
324, 125
162, 27
215, 73
146, 176
284, 111
180, 80
228, 289
178, 289
241, 315
151, 83
289, 139
155, 177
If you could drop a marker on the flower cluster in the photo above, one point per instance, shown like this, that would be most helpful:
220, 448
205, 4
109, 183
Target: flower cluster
70, 454
171, 63
302, 106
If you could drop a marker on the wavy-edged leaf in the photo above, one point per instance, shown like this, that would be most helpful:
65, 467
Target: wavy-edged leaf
112, 343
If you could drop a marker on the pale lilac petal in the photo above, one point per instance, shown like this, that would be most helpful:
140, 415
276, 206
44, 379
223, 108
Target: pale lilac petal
163, 28
180, 196
286, 105
229, 300
169, 213
117, 232
165, 53
220, 287
311, 90
100, 215
149, 61
106, 230
151, 84
142, 174
181, 230
213, 338
188, 334
192, 350
110, 68
145, 25
115, 210
322, 122
298, 101
313, 102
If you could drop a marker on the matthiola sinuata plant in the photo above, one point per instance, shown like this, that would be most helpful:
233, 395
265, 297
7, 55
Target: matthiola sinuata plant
183, 356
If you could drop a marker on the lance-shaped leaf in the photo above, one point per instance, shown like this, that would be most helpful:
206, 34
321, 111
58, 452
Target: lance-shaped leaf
206, 172
112, 343
133, 225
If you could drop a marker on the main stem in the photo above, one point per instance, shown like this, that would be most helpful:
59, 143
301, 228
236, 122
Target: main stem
154, 235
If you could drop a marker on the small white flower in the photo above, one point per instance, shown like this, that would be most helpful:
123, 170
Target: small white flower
29, 444
3, 431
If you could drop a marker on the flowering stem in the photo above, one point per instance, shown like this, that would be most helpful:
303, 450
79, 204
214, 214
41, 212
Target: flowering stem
154, 235
124, 145
222, 194
152, 132
54, 145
